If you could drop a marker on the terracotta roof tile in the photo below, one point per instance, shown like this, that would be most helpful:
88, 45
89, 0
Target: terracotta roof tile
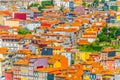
83, 42
109, 49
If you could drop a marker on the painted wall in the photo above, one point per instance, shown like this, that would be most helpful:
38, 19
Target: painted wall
0, 69
12, 23
79, 10
117, 63
118, 17
21, 16
32, 26
98, 77
84, 55
77, 2
117, 77
24, 78
1, 20
86, 77
110, 65
57, 64
8, 76
41, 62
32, 48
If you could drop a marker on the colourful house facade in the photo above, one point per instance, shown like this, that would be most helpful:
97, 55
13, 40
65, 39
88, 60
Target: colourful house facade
9, 75
21, 16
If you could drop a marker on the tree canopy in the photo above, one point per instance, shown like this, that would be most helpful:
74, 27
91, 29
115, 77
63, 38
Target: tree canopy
84, 4
33, 5
41, 6
24, 31
109, 34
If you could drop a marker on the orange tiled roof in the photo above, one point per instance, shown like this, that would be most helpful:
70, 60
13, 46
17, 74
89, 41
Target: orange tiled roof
5, 13
9, 71
87, 63
49, 6
109, 49
13, 19
56, 72
83, 42
4, 33
39, 56
66, 10
88, 16
49, 70
84, 21
54, 47
65, 30
46, 42
66, 0
22, 62
28, 36
62, 59
111, 59
10, 36
95, 54
39, 39
108, 72
74, 12
102, 24
77, 24
89, 36
4, 50
89, 33
112, 14
91, 30
24, 51
117, 57
1, 59
117, 2
118, 37
16, 27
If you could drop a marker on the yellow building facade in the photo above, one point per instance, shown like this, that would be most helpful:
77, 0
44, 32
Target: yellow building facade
83, 56
57, 64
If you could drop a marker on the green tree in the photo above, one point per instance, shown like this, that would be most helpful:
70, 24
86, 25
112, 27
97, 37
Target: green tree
89, 5
108, 34
33, 5
84, 4
24, 31
95, 46
117, 33
62, 7
35, 30
103, 38
102, 1
96, 2
114, 8
104, 30
40, 8
72, 61
47, 3
112, 32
